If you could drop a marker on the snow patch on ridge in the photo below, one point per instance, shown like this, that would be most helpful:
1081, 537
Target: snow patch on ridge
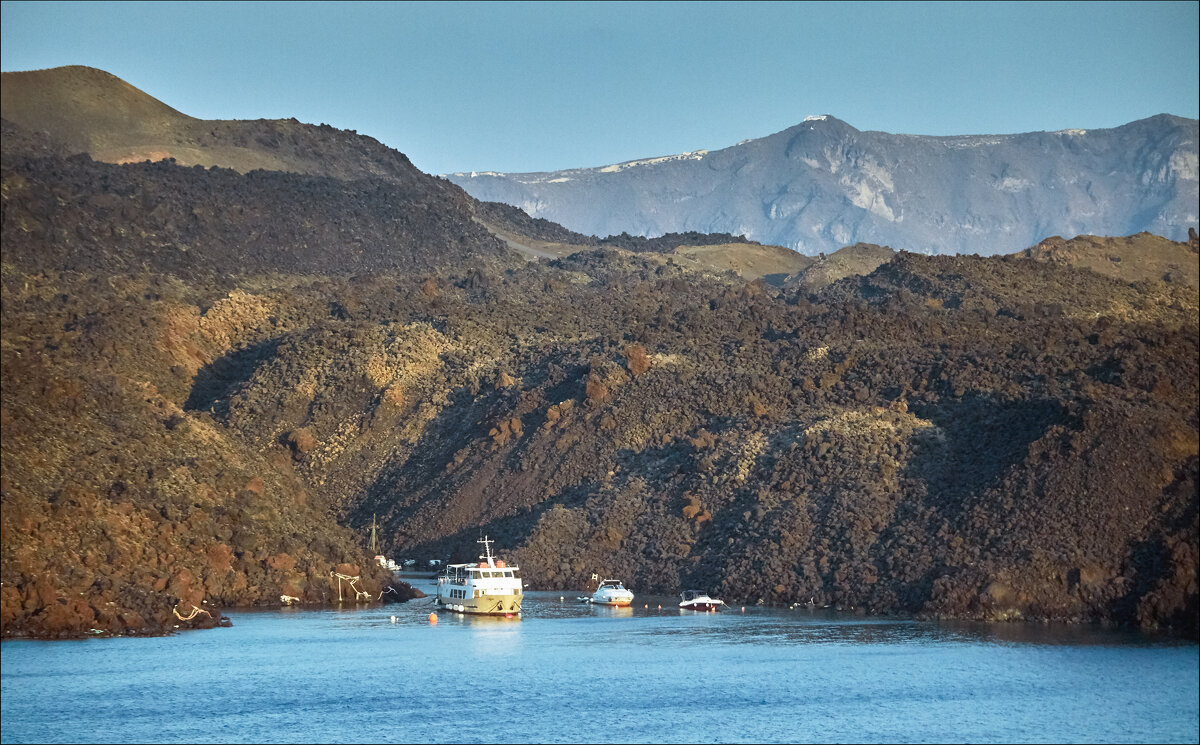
960, 142
1014, 185
693, 155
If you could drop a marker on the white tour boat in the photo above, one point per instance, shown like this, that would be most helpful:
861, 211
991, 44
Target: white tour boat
696, 600
489, 587
612, 592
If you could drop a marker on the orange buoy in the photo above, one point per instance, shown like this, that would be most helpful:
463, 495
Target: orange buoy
500, 564
433, 618
743, 609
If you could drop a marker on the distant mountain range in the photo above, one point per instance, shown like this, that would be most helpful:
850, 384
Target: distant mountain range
823, 184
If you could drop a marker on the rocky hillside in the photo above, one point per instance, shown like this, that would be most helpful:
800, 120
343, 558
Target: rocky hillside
974, 437
1136, 258
213, 381
823, 184
131, 299
90, 217
85, 110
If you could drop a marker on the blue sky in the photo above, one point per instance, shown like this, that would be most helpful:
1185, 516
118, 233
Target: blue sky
545, 86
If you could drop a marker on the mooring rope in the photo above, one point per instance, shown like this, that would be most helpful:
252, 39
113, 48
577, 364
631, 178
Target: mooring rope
195, 612
389, 588
358, 594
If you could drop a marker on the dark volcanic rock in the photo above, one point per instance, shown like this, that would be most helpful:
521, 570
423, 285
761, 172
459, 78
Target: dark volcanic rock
81, 215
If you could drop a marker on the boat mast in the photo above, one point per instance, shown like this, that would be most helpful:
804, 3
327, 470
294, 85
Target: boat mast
487, 551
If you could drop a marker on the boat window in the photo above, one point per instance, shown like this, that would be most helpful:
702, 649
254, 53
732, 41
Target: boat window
508, 573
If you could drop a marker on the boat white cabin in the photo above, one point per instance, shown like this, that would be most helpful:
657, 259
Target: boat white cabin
489, 587
696, 600
612, 592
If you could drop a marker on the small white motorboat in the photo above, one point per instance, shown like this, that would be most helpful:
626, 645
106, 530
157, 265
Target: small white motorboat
696, 600
611, 592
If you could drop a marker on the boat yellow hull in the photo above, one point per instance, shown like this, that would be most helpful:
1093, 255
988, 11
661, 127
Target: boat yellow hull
503, 605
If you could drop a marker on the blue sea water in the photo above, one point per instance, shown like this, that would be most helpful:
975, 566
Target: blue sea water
573, 673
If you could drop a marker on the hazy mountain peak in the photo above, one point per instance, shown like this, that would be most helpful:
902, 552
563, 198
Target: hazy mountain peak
825, 122
823, 184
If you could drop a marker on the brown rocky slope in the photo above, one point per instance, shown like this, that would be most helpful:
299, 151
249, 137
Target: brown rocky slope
122, 511
993, 438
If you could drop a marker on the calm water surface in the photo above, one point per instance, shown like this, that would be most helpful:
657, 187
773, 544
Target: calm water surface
572, 673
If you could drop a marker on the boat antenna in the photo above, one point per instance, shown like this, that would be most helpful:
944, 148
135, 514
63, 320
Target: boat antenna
487, 550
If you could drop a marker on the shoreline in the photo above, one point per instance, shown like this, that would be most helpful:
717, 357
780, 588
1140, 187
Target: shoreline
1015, 627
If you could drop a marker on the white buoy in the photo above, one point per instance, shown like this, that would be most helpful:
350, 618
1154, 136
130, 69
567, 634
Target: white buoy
393, 619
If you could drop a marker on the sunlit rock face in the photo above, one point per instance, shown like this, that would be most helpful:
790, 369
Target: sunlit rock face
823, 184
